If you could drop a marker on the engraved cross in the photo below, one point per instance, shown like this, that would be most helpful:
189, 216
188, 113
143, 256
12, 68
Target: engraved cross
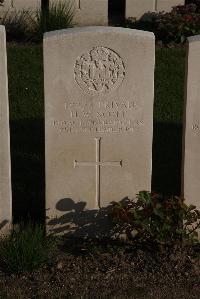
98, 165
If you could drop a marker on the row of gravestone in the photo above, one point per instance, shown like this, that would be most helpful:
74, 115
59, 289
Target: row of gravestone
95, 12
99, 91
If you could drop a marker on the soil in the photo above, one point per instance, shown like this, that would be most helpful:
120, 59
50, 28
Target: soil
97, 270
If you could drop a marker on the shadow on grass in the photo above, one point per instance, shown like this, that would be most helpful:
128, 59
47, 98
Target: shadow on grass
28, 165
27, 154
79, 222
167, 158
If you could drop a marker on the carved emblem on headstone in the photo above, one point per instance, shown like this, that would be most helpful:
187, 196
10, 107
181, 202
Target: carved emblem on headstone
99, 71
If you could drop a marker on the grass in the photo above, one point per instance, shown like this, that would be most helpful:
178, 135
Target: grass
17, 24
168, 111
27, 125
27, 133
26, 249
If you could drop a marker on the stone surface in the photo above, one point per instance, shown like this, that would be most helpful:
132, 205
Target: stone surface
191, 141
89, 12
98, 118
5, 173
138, 8
5, 5
166, 5
20, 5
27, 4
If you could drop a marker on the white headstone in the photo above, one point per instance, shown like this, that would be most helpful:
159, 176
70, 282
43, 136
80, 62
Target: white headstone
191, 141
88, 12
5, 5
99, 90
20, 5
138, 8
167, 5
5, 172
26, 4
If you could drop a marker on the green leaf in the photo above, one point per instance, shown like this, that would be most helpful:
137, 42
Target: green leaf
145, 196
158, 213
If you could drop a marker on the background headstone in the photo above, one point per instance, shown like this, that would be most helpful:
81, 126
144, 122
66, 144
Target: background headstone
191, 140
5, 5
5, 172
20, 5
167, 5
99, 93
138, 8
89, 12
27, 4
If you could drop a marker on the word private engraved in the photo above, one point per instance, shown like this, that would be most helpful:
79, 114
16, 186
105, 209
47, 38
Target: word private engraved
102, 116
99, 71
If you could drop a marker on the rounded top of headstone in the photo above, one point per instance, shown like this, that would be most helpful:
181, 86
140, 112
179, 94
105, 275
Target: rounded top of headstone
99, 30
195, 38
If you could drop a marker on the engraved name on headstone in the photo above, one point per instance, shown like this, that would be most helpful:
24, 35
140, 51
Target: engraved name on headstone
5, 173
99, 93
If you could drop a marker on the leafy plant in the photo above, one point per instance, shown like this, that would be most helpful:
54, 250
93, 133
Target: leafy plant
196, 2
174, 26
27, 248
165, 220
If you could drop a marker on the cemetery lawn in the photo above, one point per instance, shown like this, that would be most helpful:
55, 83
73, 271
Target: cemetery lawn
95, 270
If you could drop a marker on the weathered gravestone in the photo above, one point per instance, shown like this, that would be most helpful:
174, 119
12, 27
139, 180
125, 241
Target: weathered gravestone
88, 12
191, 141
5, 5
167, 5
139, 8
99, 93
18, 5
5, 175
